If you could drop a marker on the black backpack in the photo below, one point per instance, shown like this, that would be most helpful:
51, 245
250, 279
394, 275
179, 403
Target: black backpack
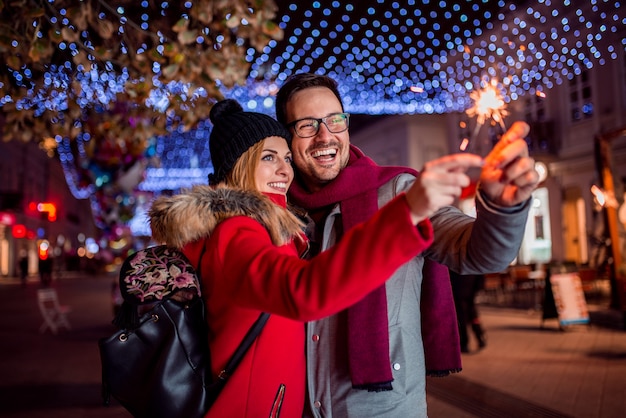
158, 363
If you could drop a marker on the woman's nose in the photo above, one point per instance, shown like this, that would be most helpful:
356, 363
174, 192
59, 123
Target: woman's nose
284, 168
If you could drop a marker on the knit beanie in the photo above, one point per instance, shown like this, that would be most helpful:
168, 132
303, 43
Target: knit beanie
234, 132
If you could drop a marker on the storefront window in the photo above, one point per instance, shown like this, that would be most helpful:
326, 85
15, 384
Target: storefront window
537, 244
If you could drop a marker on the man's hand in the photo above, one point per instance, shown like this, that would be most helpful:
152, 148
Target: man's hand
509, 176
440, 183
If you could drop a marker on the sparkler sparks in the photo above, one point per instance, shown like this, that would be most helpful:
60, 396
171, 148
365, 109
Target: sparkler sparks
488, 104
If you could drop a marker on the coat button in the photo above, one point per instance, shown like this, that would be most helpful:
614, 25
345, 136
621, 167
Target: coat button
317, 404
396, 366
315, 338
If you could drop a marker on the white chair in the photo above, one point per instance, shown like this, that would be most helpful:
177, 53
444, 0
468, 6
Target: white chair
54, 314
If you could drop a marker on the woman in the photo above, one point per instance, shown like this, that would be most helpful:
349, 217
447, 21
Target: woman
248, 245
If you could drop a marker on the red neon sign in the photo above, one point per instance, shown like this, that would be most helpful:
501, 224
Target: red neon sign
18, 231
7, 218
50, 208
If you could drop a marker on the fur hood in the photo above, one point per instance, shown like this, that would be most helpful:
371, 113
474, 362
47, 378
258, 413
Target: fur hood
192, 215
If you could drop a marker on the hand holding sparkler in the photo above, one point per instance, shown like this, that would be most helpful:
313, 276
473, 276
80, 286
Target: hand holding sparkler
509, 176
440, 183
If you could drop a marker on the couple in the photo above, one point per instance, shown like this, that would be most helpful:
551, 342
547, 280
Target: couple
365, 351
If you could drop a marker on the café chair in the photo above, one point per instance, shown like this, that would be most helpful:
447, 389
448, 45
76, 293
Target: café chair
54, 314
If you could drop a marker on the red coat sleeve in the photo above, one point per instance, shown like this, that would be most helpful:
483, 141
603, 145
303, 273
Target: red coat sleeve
243, 265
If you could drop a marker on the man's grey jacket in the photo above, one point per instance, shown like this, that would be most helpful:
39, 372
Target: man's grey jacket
469, 246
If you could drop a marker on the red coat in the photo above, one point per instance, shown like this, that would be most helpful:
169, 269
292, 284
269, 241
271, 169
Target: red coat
244, 273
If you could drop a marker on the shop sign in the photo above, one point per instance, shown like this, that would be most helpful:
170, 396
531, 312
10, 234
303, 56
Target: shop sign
7, 218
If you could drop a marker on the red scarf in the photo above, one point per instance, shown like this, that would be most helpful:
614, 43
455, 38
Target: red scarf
356, 190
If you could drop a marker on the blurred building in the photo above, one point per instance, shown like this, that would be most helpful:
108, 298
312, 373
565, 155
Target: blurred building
38, 214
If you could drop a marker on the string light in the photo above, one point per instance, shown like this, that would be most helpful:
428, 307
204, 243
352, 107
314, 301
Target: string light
412, 57
398, 57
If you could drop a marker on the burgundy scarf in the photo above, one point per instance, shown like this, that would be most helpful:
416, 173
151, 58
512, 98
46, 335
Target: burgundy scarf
356, 189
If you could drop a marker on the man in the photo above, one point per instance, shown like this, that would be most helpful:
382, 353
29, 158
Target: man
370, 360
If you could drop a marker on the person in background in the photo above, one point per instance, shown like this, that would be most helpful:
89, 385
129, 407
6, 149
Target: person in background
372, 359
248, 245
23, 267
464, 290
45, 271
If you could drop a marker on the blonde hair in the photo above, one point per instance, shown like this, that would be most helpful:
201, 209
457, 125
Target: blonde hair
243, 172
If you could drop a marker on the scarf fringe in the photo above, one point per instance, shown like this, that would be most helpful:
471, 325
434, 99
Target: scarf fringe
375, 387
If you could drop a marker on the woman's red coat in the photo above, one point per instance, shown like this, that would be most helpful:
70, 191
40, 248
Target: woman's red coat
243, 274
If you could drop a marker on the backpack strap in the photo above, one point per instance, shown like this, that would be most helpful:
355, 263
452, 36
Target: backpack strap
244, 345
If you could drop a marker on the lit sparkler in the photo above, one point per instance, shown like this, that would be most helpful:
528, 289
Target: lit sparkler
488, 104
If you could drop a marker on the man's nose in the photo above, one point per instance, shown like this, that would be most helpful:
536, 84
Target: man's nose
323, 132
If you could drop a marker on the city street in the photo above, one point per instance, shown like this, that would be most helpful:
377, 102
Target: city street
513, 113
525, 370
45, 375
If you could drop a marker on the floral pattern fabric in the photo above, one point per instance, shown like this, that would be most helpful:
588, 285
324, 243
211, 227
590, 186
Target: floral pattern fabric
155, 273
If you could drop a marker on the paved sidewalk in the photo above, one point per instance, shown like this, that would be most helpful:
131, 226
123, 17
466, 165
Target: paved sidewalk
529, 371
54, 376
525, 371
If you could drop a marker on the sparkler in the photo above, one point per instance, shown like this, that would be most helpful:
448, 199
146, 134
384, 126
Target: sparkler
488, 104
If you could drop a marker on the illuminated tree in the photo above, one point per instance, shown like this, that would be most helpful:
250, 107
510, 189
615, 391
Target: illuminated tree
121, 70
96, 81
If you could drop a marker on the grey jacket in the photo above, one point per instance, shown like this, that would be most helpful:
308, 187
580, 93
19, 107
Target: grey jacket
485, 244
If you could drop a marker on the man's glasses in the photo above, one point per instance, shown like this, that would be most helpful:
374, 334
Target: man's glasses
335, 123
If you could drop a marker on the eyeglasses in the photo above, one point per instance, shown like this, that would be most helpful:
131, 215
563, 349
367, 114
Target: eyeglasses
308, 127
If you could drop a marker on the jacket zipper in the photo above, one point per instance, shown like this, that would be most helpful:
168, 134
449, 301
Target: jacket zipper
278, 402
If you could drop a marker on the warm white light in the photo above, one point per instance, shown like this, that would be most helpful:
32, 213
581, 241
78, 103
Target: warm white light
621, 213
599, 195
542, 169
488, 103
536, 203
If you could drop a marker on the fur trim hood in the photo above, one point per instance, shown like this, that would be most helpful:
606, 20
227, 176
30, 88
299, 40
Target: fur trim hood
192, 215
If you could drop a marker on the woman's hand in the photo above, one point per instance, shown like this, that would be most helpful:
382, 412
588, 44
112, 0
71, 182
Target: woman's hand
440, 183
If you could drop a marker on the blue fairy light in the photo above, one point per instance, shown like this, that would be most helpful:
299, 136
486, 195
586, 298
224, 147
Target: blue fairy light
485, 56
398, 56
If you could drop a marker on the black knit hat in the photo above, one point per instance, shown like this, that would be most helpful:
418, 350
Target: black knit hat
234, 132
